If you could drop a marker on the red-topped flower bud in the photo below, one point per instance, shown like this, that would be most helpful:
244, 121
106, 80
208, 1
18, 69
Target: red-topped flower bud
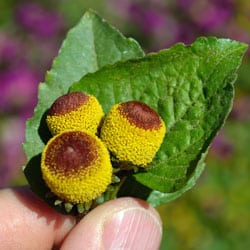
76, 166
133, 132
74, 111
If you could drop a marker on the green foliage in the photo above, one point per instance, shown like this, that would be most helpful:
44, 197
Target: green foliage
190, 86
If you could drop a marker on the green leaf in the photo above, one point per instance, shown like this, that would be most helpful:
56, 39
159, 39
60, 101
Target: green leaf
192, 89
157, 198
133, 188
90, 45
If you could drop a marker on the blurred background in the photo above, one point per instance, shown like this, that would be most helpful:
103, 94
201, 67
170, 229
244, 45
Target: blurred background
215, 214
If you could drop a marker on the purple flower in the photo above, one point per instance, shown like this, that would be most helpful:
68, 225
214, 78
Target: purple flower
11, 153
187, 33
10, 52
154, 24
208, 15
149, 20
185, 4
18, 82
8, 49
241, 109
18, 89
212, 17
39, 21
221, 146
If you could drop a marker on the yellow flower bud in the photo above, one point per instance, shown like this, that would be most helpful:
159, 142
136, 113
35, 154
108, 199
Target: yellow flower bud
133, 132
74, 111
76, 166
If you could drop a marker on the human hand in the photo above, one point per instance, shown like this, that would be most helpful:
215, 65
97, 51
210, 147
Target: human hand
26, 223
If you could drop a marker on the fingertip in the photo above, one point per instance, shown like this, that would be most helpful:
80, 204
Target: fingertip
124, 223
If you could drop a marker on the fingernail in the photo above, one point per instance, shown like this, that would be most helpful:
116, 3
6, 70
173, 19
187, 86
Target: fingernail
133, 229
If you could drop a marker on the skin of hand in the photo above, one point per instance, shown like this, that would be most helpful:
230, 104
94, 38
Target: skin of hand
27, 223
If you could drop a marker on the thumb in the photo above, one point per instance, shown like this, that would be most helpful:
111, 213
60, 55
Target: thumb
124, 223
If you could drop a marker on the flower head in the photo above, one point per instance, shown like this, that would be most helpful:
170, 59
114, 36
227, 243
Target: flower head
75, 111
76, 166
133, 132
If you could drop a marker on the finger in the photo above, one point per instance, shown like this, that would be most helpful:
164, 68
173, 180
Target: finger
28, 223
124, 223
